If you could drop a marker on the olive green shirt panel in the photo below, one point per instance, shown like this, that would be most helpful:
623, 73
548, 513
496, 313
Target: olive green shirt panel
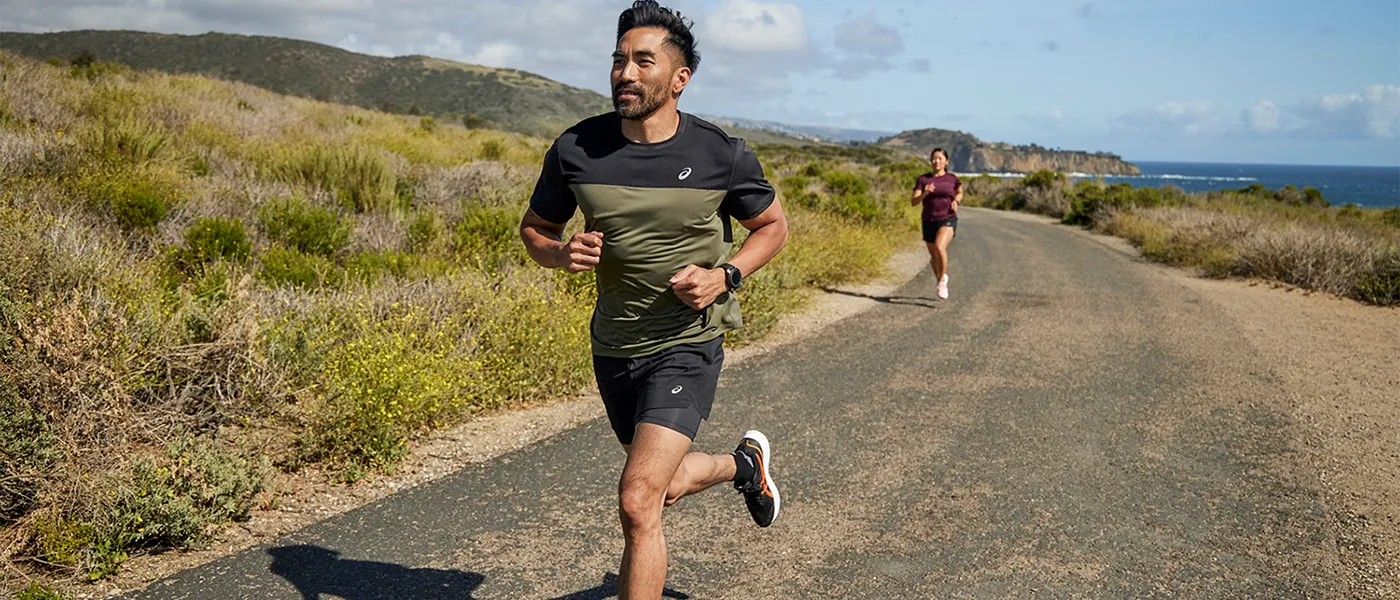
649, 235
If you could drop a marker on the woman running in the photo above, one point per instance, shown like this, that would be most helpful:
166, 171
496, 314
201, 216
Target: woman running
940, 191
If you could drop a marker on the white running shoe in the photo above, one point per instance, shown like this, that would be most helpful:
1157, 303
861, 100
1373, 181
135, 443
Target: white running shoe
943, 288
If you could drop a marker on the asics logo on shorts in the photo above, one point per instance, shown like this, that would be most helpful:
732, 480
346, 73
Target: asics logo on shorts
684, 173
677, 390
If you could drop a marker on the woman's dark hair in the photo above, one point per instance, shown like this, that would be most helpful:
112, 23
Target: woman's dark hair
948, 168
647, 13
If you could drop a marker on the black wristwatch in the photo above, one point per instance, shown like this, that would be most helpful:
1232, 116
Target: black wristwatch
732, 276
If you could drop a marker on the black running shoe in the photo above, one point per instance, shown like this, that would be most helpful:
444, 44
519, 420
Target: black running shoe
760, 493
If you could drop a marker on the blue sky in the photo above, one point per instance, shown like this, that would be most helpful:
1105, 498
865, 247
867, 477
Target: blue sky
1188, 80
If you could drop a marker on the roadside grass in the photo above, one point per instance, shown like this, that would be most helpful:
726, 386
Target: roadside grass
1289, 235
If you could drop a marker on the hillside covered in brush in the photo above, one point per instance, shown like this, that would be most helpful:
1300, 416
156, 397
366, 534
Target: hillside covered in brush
505, 98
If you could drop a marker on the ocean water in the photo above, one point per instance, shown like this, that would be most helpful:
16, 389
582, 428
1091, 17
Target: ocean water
1371, 187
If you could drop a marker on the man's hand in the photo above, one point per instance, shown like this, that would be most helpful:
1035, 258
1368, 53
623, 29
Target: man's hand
698, 287
581, 253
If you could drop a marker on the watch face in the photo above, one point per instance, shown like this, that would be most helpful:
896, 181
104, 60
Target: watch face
732, 275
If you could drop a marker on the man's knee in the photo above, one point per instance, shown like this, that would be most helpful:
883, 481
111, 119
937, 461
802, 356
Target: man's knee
639, 503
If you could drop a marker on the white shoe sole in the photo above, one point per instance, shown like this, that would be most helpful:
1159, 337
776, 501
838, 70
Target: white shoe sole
767, 459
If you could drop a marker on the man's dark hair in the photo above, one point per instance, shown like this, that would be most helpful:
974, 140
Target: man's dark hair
647, 13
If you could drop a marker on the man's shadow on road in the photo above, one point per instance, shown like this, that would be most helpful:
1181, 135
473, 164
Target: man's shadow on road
315, 571
608, 589
906, 300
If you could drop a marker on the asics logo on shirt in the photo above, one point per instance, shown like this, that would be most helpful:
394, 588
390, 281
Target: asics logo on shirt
684, 173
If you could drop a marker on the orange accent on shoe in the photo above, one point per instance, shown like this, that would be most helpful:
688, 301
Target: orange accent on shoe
763, 481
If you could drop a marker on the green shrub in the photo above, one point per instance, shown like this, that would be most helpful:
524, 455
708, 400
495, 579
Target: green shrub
360, 178
1381, 285
424, 228
1391, 217
176, 501
859, 206
491, 150
1314, 197
794, 186
286, 266
300, 225
406, 190
369, 266
139, 205
1044, 179
60, 540
36, 591
96, 70
1351, 212
1090, 199
29, 450
215, 238
130, 139
473, 121
138, 197
8, 118
199, 165
382, 388
427, 124
490, 235
842, 183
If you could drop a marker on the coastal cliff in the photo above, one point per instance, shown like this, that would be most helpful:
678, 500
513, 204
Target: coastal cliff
971, 155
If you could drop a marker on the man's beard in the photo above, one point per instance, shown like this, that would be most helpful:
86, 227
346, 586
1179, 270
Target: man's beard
647, 102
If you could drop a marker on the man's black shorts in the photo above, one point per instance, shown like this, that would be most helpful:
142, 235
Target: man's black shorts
931, 228
673, 388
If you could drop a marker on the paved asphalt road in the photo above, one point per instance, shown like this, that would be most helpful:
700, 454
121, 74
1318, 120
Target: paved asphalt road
1071, 424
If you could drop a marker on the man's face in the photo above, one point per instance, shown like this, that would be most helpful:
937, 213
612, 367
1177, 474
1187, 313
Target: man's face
645, 73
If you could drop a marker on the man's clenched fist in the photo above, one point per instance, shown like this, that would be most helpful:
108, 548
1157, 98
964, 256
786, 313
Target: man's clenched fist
698, 287
582, 252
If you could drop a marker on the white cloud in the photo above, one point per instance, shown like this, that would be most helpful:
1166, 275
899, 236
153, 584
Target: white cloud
496, 54
751, 26
1196, 118
1374, 113
445, 44
1262, 117
865, 35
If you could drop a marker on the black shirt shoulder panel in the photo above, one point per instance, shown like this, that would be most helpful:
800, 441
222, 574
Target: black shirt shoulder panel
699, 156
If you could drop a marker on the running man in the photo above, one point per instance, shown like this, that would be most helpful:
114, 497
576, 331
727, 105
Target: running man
657, 188
940, 192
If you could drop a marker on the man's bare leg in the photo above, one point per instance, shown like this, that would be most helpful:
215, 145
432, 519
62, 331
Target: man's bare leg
653, 458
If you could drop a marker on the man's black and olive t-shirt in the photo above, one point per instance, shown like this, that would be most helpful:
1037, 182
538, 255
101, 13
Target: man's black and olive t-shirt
660, 207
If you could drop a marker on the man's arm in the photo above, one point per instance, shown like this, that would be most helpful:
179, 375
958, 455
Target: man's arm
698, 287
543, 243
551, 206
